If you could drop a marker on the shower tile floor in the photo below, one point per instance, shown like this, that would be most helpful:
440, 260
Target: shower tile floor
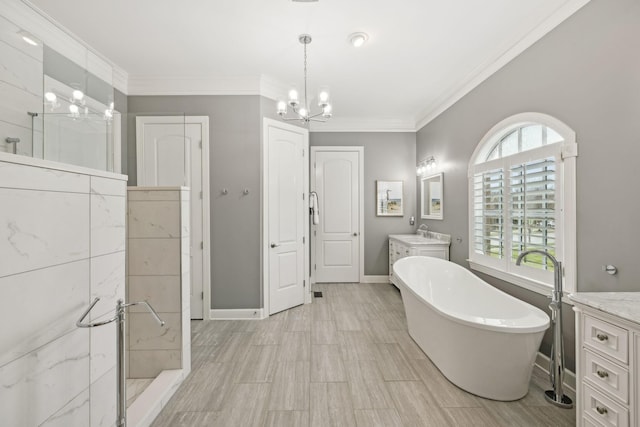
345, 360
135, 387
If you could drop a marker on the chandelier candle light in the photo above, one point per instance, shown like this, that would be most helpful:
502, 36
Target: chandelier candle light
303, 111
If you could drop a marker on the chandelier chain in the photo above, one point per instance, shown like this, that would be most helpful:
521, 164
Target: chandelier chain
306, 104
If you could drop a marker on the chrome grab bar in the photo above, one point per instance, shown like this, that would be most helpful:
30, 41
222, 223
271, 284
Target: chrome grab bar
120, 317
79, 323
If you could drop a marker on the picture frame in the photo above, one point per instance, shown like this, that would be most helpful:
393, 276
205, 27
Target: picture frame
389, 198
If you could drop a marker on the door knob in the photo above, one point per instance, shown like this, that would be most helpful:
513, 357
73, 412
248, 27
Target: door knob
273, 245
355, 234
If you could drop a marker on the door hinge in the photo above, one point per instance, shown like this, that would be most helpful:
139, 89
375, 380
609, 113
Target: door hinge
314, 165
302, 196
304, 283
314, 232
302, 239
200, 144
201, 295
303, 152
314, 267
201, 245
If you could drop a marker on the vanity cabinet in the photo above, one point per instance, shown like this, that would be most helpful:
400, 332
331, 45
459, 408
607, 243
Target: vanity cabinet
608, 360
404, 245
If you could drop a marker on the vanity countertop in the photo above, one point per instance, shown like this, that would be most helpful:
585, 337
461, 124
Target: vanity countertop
432, 238
625, 305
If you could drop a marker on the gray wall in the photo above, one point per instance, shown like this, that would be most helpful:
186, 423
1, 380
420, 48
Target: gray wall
387, 156
586, 72
234, 141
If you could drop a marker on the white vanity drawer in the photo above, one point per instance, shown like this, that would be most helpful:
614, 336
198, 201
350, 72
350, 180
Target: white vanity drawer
602, 409
606, 375
607, 338
587, 421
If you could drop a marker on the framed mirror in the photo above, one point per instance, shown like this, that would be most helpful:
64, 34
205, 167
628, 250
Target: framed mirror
432, 197
389, 199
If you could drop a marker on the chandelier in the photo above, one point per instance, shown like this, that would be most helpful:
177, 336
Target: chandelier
302, 112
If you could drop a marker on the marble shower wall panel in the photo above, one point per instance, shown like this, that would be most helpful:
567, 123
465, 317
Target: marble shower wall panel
53, 218
52, 297
37, 227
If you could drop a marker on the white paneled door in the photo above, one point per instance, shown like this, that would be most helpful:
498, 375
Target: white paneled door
173, 151
337, 239
286, 207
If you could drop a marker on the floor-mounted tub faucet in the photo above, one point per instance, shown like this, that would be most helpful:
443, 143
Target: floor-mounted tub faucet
556, 363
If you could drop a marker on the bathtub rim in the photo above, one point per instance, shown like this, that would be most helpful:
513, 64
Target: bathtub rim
496, 328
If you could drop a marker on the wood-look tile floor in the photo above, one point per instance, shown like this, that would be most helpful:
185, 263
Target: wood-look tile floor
345, 360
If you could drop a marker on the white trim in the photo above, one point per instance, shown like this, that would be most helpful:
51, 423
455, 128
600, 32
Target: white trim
542, 363
360, 151
264, 223
523, 282
493, 65
237, 314
203, 85
64, 167
337, 124
203, 121
144, 410
384, 278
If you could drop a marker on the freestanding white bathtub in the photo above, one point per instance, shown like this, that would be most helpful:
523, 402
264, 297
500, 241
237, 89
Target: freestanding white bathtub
483, 340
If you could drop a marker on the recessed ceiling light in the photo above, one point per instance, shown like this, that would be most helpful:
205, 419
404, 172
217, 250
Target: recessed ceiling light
358, 39
28, 38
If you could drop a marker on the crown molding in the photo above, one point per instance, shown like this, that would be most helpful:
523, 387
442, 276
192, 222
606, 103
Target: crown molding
121, 80
485, 71
337, 124
194, 85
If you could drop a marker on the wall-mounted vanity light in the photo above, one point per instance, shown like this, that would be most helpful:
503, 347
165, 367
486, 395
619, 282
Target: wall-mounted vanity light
426, 165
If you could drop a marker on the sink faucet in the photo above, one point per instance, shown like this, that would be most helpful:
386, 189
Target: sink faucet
423, 229
556, 363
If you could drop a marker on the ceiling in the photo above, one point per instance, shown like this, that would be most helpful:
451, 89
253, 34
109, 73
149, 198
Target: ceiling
421, 55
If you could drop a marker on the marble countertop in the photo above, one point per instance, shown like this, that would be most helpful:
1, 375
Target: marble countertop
625, 305
432, 238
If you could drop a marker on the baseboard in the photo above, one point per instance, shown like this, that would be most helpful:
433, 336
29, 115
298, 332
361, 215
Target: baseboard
375, 279
144, 410
237, 314
542, 363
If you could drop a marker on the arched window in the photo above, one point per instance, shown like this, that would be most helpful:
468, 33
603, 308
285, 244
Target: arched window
522, 197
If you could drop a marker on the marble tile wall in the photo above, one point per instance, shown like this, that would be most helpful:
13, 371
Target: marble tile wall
158, 271
62, 240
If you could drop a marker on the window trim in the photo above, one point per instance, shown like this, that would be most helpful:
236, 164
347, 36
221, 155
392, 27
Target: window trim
568, 151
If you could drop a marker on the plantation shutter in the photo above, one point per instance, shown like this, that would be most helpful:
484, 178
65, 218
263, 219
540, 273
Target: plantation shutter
488, 205
532, 204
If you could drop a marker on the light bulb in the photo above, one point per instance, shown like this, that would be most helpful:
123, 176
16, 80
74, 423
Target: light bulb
323, 97
327, 110
293, 97
77, 95
73, 109
282, 108
108, 114
303, 112
50, 97
111, 105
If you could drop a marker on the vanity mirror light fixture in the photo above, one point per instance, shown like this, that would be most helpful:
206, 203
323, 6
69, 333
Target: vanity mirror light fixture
432, 197
426, 165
